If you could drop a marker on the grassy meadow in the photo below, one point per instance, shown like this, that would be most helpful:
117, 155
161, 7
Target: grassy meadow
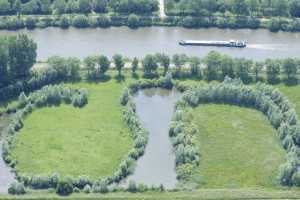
238, 146
92, 140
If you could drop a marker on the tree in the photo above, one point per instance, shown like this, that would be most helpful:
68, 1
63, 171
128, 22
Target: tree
227, 66
242, 68
281, 7
295, 8
104, 64
22, 55
64, 21
4, 7
17, 6
132, 186
149, 66
273, 71
290, 69
90, 63
59, 6
134, 65
213, 62
240, 7
99, 6
64, 187
256, 69
3, 62
164, 60
74, 67
84, 6
133, 21
16, 188
119, 63
179, 60
195, 66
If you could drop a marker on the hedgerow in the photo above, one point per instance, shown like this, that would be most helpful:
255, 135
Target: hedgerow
262, 97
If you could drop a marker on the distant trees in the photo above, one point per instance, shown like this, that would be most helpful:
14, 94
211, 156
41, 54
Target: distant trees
237, 7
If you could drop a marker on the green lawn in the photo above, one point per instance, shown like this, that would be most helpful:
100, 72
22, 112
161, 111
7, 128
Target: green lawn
92, 140
238, 147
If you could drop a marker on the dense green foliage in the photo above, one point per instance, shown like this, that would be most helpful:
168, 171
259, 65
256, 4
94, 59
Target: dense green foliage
16, 188
259, 8
18, 54
46, 7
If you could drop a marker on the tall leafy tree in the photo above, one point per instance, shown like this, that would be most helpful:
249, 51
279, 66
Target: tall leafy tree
3, 62
22, 55
119, 63
290, 69
273, 71
104, 64
213, 62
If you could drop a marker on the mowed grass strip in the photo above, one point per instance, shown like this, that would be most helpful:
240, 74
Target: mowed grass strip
92, 140
239, 148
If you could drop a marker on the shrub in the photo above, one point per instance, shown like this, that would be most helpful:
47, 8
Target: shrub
80, 21
296, 179
16, 188
64, 21
133, 21
64, 187
87, 189
30, 22
132, 186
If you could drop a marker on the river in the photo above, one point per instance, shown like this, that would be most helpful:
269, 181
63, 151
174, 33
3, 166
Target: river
157, 166
80, 43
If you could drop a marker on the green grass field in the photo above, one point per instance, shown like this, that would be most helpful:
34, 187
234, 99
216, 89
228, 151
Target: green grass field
89, 141
238, 146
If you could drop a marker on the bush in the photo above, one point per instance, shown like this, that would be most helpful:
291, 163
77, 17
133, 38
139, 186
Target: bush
87, 189
16, 189
80, 21
64, 21
296, 179
132, 186
133, 21
30, 22
64, 187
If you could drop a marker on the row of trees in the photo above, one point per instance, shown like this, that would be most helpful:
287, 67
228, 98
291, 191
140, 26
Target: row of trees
214, 66
260, 8
17, 56
271, 102
76, 6
132, 20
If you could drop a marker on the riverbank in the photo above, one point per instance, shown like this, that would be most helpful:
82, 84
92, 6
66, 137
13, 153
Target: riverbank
273, 24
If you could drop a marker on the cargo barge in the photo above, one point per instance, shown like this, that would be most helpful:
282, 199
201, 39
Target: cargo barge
230, 43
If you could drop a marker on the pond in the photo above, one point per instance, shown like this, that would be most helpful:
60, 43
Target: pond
80, 43
6, 176
157, 166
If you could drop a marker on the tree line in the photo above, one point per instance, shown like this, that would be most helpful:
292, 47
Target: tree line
48, 7
214, 66
257, 8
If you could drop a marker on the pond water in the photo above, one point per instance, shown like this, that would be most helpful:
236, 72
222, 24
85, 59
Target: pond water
157, 166
6, 176
80, 43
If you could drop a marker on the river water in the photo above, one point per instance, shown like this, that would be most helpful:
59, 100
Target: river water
6, 176
80, 43
157, 166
